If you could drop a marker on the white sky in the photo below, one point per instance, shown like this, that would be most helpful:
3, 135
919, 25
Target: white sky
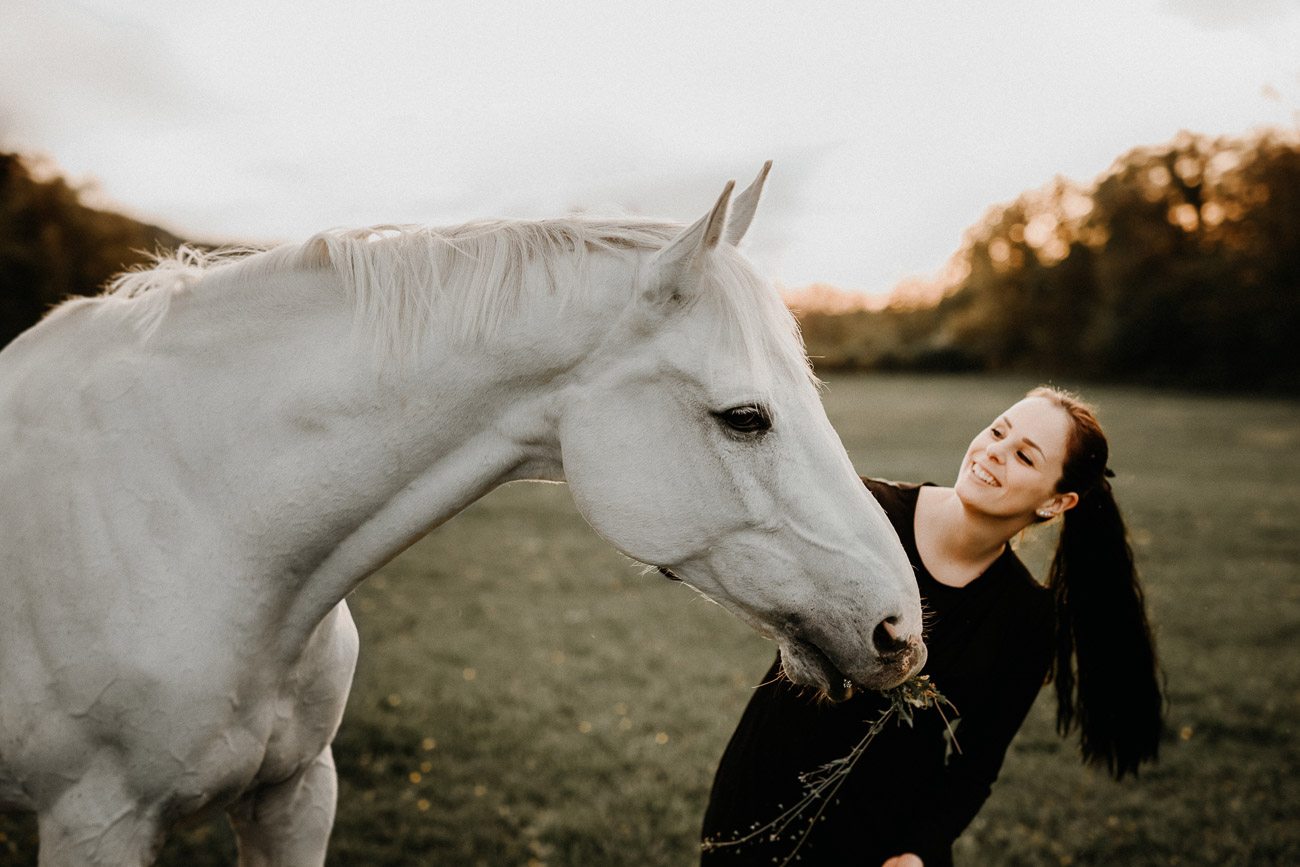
894, 125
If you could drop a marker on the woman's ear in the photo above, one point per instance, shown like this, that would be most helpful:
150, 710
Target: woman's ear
1063, 502
1058, 504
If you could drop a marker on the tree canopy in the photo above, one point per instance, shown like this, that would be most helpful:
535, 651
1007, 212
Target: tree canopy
1178, 266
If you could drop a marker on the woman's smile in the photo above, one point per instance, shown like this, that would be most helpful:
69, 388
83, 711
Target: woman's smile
984, 476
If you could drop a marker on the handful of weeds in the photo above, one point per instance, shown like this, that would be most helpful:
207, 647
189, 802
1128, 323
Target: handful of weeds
821, 784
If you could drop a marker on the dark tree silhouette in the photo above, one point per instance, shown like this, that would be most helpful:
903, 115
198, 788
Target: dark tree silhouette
53, 247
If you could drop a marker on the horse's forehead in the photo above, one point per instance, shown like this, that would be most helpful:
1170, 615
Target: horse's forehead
767, 362
719, 373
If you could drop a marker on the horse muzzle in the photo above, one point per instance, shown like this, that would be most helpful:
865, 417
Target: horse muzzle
895, 659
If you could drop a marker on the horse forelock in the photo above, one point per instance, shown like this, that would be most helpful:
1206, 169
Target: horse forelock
469, 279
752, 323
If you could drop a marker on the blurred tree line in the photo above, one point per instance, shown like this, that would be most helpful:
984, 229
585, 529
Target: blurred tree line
52, 246
1179, 266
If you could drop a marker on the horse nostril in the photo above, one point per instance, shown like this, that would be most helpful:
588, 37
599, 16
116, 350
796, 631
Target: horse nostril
886, 638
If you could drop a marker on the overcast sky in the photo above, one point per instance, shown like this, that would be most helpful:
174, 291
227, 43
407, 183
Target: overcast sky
893, 125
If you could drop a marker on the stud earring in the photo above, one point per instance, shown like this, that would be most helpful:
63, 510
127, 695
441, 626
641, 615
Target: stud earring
1043, 513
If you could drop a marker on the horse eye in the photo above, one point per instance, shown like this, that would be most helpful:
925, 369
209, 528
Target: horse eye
745, 419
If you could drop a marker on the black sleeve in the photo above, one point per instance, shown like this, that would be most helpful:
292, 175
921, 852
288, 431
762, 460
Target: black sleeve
988, 724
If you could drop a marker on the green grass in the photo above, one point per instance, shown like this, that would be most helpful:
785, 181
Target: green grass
526, 695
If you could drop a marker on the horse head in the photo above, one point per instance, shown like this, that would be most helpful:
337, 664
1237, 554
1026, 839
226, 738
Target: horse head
697, 443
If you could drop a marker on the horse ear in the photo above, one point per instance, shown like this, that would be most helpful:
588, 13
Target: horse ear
671, 265
742, 211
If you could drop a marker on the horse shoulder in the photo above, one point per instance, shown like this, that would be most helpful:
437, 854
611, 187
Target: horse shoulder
311, 697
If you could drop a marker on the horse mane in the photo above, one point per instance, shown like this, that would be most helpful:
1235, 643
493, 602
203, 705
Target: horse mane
470, 279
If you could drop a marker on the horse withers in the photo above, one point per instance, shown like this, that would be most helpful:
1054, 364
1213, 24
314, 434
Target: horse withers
198, 466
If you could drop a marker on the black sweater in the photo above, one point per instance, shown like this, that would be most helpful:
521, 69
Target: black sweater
990, 645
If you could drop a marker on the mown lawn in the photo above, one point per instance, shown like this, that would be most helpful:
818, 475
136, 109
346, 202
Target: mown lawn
527, 696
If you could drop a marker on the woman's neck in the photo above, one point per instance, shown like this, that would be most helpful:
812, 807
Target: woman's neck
957, 544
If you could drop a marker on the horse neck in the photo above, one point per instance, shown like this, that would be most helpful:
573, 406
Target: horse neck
354, 458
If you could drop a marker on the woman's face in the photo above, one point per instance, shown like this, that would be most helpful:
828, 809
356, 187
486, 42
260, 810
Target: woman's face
1012, 466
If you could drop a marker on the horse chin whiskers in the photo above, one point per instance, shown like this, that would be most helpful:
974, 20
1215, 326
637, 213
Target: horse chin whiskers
805, 663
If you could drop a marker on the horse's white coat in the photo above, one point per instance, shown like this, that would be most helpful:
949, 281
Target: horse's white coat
197, 468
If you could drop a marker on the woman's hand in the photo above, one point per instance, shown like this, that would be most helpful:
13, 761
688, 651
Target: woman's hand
907, 859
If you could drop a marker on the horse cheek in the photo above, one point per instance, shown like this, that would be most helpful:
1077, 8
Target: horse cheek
636, 487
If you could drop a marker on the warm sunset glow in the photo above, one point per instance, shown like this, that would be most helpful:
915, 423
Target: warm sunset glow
1000, 251
821, 298
910, 294
1184, 215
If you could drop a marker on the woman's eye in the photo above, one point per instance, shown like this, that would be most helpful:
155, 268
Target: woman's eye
997, 434
1024, 457
745, 419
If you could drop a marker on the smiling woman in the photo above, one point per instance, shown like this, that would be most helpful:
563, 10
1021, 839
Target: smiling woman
994, 635
1006, 471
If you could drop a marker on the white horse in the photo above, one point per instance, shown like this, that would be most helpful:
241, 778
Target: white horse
197, 467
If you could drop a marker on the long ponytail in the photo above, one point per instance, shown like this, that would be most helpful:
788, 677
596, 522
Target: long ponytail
1105, 669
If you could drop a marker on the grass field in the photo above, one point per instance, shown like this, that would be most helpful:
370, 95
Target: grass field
526, 696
